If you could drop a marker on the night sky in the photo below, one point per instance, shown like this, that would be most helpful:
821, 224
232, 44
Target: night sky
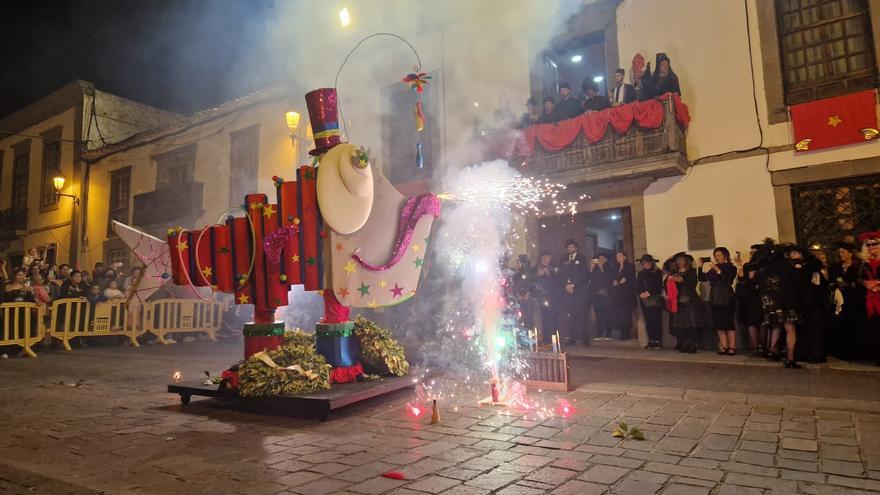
181, 55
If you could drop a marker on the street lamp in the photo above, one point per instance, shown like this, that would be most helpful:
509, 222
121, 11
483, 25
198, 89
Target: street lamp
58, 182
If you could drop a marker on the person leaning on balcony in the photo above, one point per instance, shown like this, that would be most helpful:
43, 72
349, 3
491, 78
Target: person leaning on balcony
549, 111
4, 275
664, 79
622, 92
593, 101
532, 115
568, 106
644, 84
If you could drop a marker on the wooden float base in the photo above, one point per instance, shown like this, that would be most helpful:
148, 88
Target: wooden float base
314, 405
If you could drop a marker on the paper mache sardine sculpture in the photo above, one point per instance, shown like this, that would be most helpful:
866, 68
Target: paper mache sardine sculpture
338, 228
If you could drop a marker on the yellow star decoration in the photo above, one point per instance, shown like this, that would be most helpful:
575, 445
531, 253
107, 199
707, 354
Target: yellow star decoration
383, 284
295, 258
834, 120
255, 205
268, 211
181, 245
207, 271
416, 248
373, 304
243, 299
349, 267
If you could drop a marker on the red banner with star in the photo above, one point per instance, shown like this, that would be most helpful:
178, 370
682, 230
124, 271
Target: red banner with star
836, 121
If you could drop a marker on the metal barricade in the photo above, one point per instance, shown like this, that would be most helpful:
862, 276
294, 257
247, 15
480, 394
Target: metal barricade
166, 316
21, 324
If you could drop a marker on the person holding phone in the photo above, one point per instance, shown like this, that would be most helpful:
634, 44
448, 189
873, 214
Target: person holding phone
749, 312
685, 322
622, 296
721, 275
600, 294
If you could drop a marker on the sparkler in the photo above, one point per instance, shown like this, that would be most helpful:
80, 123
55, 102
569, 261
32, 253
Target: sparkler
519, 194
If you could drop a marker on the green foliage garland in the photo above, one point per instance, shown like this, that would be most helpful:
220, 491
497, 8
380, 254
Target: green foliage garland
380, 353
258, 379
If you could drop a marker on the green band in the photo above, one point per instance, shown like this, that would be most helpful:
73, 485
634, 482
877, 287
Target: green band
334, 329
264, 329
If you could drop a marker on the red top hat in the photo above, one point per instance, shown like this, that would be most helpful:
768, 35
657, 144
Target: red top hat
323, 116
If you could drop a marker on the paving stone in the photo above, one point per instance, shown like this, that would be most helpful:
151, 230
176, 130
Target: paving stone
739, 467
493, 480
809, 466
760, 436
774, 484
367, 471
799, 455
298, 478
802, 476
688, 472
551, 475
615, 461
653, 456
726, 489
843, 468
578, 487
737, 421
466, 490
521, 490
717, 455
751, 457
459, 473
434, 484
800, 444
642, 475
700, 463
603, 474
766, 447
633, 487
678, 489
376, 486
321, 487
676, 445
718, 442
861, 484
532, 460
572, 464
542, 432
840, 453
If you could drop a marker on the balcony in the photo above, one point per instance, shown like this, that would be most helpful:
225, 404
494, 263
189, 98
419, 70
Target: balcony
591, 147
179, 204
13, 223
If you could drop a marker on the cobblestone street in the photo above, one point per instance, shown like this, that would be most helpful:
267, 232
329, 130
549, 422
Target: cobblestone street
710, 428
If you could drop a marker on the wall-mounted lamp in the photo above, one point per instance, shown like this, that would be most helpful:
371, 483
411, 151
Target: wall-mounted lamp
292, 121
58, 182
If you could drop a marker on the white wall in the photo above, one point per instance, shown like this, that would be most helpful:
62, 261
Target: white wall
736, 192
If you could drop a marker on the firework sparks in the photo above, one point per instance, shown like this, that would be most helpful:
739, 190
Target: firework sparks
518, 194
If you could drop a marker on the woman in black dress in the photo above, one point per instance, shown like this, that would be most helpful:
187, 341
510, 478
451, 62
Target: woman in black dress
844, 275
686, 321
649, 285
869, 276
622, 296
779, 302
722, 301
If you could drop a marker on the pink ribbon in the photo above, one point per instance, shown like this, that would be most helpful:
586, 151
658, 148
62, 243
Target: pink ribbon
274, 243
414, 209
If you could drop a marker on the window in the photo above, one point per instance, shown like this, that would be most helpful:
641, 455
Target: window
120, 194
117, 256
20, 170
827, 212
826, 48
51, 168
175, 167
244, 161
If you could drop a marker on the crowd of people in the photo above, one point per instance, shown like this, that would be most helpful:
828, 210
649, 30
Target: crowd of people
645, 86
790, 303
42, 283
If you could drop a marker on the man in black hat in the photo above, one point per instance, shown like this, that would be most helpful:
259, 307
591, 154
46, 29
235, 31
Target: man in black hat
574, 276
593, 101
568, 106
622, 92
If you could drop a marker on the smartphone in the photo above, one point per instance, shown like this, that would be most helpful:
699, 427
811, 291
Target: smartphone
595, 261
738, 256
706, 259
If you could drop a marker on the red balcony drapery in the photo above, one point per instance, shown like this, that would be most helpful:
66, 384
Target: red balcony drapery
554, 137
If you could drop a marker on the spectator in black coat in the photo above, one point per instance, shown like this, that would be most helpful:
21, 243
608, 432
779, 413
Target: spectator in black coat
549, 111
623, 299
74, 286
593, 101
601, 275
574, 278
649, 285
568, 106
532, 115
665, 80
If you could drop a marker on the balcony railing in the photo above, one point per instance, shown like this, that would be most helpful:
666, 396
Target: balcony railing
12, 222
653, 144
178, 204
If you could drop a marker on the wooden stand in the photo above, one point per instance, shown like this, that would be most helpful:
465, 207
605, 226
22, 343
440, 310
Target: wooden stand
547, 371
315, 405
